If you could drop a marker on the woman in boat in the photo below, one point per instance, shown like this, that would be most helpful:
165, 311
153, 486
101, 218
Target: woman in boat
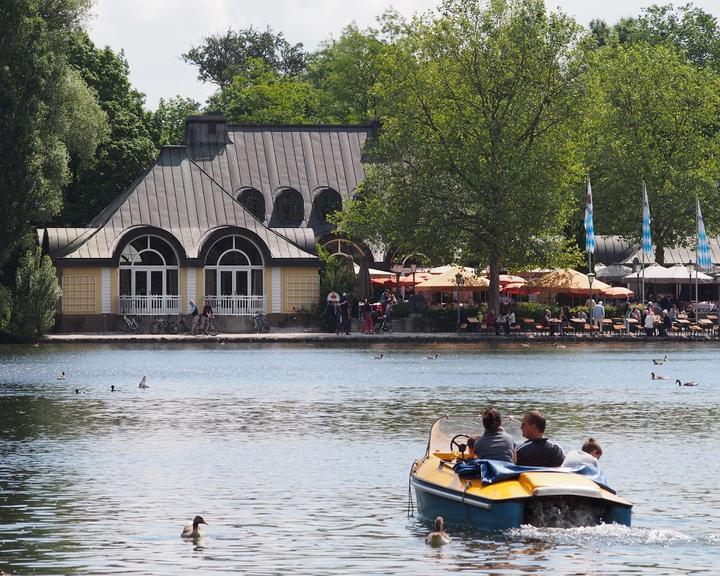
495, 443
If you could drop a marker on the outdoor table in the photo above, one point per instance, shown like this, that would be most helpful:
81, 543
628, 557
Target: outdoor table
706, 324
633, 324
684, 323
712, 317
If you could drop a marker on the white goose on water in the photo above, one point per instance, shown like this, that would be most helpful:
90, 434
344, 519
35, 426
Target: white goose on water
690, 383
193, 530
143, 383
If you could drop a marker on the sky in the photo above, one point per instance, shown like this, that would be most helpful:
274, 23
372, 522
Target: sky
155, 33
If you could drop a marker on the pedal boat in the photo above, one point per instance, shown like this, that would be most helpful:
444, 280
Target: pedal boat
492, 495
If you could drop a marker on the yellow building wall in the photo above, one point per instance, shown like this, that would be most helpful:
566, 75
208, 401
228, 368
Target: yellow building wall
300, 289
267, 286
81, 290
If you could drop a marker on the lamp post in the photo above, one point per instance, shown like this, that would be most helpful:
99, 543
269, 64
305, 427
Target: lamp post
690, 267
636, 270
397, 268
458, 281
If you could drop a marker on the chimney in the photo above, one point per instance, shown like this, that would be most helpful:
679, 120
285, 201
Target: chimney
210, 129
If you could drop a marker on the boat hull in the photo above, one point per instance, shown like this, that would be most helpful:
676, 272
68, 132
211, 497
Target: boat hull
541, 498
484, 515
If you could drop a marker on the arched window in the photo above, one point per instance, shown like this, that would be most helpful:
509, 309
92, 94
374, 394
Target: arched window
327, 202
149, 277
289, 206
253, 200
234, 273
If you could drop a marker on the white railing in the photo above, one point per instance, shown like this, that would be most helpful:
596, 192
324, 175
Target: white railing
237, 305
161, 305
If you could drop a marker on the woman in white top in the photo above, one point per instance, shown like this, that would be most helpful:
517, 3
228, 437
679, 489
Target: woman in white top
589, 455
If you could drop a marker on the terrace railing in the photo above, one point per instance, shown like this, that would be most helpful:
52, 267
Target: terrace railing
237, 305
155, 305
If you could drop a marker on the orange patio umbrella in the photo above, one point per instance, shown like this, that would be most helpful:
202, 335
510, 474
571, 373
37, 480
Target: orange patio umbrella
568, 281
618, 292
447, 281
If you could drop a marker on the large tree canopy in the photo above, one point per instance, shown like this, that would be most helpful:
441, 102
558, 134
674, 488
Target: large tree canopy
129, 148
221, 58
46, 113
476, 153
655, 117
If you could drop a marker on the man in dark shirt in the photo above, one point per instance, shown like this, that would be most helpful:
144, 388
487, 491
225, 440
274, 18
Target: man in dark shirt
537, 450
495, 443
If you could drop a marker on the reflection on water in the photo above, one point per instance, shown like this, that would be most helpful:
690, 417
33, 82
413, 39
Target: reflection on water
298, 457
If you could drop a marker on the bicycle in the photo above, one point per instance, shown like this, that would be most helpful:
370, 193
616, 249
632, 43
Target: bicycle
260, 323
127, 324
184, 325
383, 324
163, 325
210, 328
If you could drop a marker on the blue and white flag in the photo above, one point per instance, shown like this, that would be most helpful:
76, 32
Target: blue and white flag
704, 261
647, 247
589, 230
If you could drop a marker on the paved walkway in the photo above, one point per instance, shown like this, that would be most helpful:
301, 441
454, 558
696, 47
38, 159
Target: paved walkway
357, 337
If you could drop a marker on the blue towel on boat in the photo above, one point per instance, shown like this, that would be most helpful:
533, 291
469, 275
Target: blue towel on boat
493, 471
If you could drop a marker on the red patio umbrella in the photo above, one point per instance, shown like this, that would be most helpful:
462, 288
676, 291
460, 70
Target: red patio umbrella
618, 292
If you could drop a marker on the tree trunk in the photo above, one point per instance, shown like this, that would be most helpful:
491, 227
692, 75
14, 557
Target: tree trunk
494, 290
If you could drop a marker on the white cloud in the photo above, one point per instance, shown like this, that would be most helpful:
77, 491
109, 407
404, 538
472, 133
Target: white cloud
154, 33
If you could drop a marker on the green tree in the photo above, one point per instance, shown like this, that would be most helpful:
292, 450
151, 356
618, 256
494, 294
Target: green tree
687, 28
655, 118
222, 57
476, 149
345, 71
37, 293
169, 119
6, 304
34, 113
129, 148
262, 95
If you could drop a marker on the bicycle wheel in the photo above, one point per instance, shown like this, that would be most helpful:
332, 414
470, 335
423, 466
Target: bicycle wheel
121, 325
171, 327
156, 327
212, 329
134, 325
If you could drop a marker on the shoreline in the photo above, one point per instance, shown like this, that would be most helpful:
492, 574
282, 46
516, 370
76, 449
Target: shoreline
359, 338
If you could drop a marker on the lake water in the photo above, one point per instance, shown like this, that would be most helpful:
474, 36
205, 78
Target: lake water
298, 457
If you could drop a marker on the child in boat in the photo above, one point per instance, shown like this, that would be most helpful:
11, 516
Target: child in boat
470, 449
589, 455
439, 537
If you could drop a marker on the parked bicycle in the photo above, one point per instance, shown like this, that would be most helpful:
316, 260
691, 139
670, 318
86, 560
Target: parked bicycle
184, 324
127, 324
260, 323
163, 325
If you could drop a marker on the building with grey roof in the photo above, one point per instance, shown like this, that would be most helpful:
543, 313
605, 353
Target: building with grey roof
231, 217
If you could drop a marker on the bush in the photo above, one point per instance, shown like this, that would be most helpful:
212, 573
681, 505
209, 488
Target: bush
5, 308
36, 296
532, 310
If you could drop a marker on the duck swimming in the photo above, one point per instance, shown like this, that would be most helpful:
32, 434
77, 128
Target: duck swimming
61, 376
690, 383
657, 376
379, 357
439, 537
660, 361
432, 357
193, 530
143, 383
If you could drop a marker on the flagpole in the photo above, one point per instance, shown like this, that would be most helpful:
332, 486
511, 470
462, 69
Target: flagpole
642, 250
697, 260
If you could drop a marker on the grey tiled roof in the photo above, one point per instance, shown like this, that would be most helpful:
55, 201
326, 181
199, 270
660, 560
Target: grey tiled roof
191, 190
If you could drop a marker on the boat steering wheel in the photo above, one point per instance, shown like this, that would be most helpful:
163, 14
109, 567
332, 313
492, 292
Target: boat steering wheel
454, 442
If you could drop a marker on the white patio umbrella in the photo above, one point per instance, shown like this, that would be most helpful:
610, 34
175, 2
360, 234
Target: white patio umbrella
681, 275
654, 274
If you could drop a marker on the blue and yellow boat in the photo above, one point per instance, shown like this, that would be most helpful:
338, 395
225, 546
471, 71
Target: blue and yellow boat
492, 495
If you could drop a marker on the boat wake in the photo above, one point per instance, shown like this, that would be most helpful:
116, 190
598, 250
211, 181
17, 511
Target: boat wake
607, 534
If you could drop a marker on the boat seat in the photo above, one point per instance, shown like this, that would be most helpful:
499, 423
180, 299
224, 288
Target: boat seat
559, 483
